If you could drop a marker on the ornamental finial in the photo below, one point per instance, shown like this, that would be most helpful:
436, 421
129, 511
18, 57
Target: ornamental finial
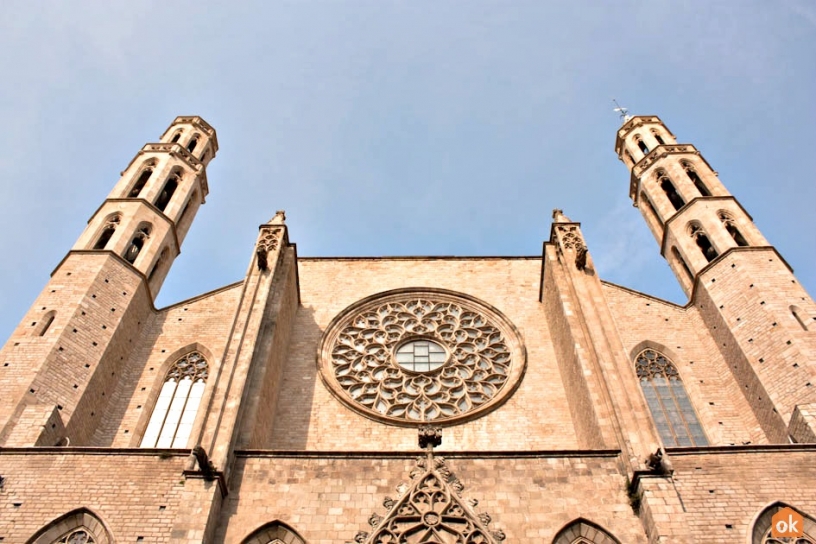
624, 112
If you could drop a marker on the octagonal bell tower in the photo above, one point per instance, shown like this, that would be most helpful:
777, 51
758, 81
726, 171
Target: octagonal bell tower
59, 368
761, 318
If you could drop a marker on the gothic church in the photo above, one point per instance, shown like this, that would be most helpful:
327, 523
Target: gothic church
438, 400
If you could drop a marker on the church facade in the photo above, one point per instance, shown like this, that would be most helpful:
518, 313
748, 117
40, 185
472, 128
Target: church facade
466, 400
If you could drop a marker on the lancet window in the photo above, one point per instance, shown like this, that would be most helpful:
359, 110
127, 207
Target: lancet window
692, 175
668, 188
668, 402
137, 243
174, 414
140, 182
107, 231
642, 146
167, 192
703, 242
682, 262
731, 227
657, 137
193, 143
655, 218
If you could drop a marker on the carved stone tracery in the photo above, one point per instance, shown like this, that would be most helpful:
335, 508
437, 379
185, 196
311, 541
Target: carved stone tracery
192, 366
358, 364
269, 240
570, 237
77, 536
431, 512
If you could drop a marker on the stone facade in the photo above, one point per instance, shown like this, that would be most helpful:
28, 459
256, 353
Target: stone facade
567, 409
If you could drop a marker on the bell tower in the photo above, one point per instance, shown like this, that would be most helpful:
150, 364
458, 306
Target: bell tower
761, 318
58, 369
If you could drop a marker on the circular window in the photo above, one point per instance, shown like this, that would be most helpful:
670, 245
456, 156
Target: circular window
413, 356
421, 356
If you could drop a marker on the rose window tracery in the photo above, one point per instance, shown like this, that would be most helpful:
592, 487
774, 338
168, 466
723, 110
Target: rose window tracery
419, 356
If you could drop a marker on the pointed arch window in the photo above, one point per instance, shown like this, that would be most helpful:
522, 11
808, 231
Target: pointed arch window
796, 312
274, 533
45, 323
701, 238
193, 143
159, 262
107, 231
650, 207
582, 531
642, 146
761, 533
668, 188
140, 182
137, 243
657, 137
668, 402
692, 175
731, 227
77, 527
174, 414
167, 192
630, 157
682, 262
176, 137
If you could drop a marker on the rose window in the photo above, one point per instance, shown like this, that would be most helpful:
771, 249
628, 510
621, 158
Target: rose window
414, 356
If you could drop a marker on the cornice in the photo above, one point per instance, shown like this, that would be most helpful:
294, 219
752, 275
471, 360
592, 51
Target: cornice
688, 206
636, 122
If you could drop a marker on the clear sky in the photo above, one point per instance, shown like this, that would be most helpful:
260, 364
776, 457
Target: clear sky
400, 128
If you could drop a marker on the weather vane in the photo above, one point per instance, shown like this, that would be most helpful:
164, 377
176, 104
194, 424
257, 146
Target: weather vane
624, 112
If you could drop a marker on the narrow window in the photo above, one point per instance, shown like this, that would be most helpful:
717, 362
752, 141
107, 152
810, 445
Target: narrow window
140, 183
159, 262
167, 192
45, 323
692, 174
193, 143
176, 138
174, 414
187, 206
137, 244
650, 207
735, 234
107, 232
668, 188
668, 402
732, 229
703, 243
657, 137
631, 159
797, 314
642, 146
679, 259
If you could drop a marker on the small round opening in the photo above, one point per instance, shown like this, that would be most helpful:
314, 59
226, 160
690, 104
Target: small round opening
421, 356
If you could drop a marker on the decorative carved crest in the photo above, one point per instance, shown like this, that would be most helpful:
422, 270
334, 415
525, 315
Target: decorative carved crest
570, 237
430, 512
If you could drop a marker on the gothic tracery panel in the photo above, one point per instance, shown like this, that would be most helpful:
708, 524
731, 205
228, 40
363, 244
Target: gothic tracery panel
431, 511
415, 356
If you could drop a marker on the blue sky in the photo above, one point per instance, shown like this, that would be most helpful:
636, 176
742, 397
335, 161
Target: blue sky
400, 128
